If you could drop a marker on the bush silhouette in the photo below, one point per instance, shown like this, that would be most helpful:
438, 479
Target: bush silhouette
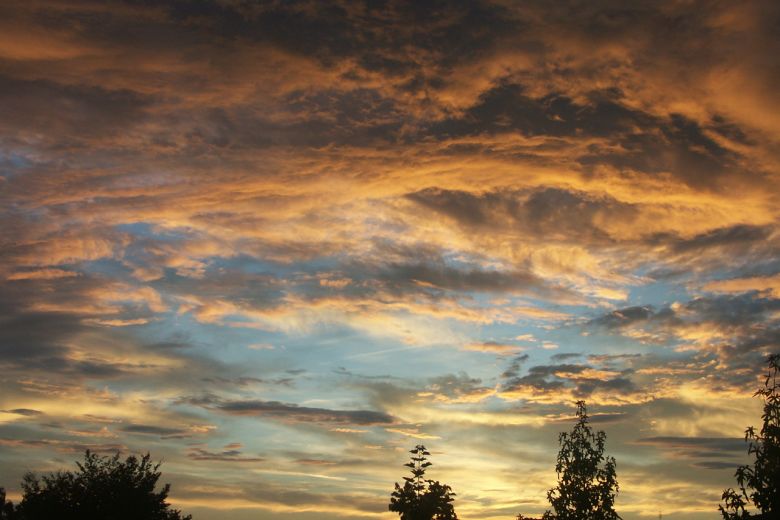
102, 488
759, 484
420, 498
587, 481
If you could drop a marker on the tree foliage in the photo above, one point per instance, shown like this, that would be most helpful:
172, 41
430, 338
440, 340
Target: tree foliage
759, 483
7, 511
587, 481
421, 498
102, 488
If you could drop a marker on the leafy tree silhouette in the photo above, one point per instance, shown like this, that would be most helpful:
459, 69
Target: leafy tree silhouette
587, 481
103, 488
421, 498
760, 483
7, 511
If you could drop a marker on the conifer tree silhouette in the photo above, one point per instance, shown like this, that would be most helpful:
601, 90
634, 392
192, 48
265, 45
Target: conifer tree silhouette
421, 498
759, 483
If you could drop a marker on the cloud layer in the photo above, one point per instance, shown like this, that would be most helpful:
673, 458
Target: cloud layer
277, 243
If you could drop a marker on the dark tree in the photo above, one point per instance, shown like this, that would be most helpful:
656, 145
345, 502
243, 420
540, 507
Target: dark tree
587, 482
7, 511
421, 498
102, 488
759, 484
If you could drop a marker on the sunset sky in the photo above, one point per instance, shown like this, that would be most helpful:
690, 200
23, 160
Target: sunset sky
277, 244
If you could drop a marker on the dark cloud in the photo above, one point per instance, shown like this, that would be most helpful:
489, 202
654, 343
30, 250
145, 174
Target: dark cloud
457, 386
597, 418
582, 379
244, 381
605, 418
379, 36
722, 310
542, 377
24, 338
23, 411
292, 412
563, 356
161, 431
550, 213
361, 118
735, 310
41, 341
231, 455
676, 145
610, 358
714, 464
64, 445
741, 236
508, 107
724, 444
328, 176
462, 279
624, 317
72, 112
740, 330
513, 370
694, 449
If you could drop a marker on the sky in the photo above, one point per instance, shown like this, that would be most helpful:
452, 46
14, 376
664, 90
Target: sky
277, 244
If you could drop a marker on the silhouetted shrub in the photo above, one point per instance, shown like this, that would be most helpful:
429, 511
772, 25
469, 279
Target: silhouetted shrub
759, 483
103, 488
421, 499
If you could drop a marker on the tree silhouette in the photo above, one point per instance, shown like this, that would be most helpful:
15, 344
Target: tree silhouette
102, 488
587, 482
7, 511
759, 484
421, 498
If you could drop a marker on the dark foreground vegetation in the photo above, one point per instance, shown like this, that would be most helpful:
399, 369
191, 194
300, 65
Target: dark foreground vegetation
107, 488
102, 488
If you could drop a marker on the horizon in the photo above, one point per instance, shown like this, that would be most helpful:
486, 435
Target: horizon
278, 244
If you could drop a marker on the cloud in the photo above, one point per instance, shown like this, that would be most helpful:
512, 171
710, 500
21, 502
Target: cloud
227, 455
564, 356
723, 324
550, 213
295, 413
457, 388
769, 284
27, 412
700, 452
731, 237
383, 195
493, 348
161, 431
64, 446
696, 446
564, 382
